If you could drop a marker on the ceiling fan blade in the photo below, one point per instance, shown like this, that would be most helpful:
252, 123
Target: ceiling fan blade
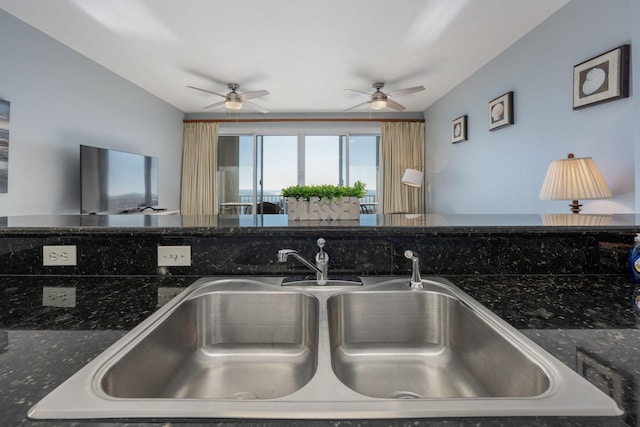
214, 105
207, 91
357, 92
359, 105
254, 94
395, 105
256, 106
405, 91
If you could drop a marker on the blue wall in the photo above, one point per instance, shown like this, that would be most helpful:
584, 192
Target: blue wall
502, 171
59, 100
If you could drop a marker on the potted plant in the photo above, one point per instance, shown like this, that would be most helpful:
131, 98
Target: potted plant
324, 202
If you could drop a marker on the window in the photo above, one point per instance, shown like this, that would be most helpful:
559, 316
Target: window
253, 169
364, 165
323, 160
279, 163
235, 174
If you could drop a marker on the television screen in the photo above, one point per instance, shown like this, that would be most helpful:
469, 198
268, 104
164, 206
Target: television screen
115, 181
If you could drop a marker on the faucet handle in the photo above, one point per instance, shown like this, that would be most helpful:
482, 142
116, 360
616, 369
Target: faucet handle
409, 254
283, 254
416, 280
321, 256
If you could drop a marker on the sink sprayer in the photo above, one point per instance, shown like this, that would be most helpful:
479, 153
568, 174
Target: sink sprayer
416, 280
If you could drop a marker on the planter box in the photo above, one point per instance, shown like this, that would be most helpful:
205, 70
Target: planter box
323, 209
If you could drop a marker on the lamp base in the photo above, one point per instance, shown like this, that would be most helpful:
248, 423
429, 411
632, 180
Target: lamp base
575, 207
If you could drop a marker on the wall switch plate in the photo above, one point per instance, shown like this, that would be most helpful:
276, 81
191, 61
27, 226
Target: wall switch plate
58, 297
166, 294
59, 255
174, 256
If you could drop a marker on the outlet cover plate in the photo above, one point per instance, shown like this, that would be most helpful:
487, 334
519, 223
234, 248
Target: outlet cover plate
58, 296
61, 255
169, 256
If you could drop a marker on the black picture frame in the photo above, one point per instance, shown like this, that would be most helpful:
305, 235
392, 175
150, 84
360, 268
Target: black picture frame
602, 78
5, 116
501, 111
459, 130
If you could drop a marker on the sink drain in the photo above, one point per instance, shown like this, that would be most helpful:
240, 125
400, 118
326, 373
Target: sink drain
404, 395
243, 395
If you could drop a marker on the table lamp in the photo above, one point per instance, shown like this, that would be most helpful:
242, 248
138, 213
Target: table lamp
573, 179
412, 177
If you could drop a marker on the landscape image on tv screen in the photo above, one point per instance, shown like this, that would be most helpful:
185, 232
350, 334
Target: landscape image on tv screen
117, 181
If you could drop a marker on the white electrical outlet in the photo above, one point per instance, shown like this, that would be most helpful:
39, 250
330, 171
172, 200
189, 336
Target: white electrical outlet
59, 255
166, 294
58, 297
174, 256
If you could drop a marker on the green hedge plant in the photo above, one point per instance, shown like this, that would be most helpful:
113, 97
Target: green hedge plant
326, 191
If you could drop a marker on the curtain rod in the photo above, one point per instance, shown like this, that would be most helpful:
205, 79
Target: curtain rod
301, 120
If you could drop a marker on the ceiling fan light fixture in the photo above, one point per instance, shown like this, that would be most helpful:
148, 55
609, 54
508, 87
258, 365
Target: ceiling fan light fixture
233, 104
378, 104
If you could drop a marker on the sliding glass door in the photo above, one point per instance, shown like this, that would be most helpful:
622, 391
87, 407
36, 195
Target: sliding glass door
253, 169
235, 174
277, 168
324, 160
364, 165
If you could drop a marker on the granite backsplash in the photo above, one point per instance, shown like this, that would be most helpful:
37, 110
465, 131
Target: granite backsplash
352, 251
117, 265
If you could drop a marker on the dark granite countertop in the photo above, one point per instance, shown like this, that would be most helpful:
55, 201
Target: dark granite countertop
571, 316
237, 224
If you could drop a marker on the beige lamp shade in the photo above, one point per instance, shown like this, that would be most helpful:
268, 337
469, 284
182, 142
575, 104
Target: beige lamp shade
574, 179
412, 178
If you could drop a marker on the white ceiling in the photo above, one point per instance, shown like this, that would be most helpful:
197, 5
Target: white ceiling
304, 53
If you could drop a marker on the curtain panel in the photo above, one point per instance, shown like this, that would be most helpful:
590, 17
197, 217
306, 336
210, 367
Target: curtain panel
402, 148
199, 166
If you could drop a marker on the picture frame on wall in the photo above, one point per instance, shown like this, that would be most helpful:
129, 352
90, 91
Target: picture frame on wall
601, 79
4, 145
459, 129
501, 111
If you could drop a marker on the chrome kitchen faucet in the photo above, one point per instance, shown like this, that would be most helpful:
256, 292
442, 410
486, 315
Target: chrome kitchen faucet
321, 268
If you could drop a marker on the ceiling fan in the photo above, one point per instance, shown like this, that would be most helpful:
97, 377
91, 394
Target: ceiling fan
380, 100
234, 100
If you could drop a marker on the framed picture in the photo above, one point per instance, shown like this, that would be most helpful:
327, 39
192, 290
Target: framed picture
601, 79
501, 111
459, 129
4, 145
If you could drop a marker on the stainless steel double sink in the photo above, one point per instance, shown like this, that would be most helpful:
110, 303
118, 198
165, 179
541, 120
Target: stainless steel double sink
246, 348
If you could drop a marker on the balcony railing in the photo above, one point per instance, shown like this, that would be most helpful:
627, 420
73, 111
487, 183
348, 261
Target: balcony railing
368, 205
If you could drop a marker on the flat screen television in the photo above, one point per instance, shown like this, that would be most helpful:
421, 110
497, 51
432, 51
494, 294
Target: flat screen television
115, 181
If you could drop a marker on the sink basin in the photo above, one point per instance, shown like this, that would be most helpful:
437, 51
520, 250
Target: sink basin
251, 348
410, 345
226, 344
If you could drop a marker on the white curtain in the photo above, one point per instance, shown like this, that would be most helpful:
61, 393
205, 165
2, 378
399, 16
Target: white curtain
199, 164
402, 148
